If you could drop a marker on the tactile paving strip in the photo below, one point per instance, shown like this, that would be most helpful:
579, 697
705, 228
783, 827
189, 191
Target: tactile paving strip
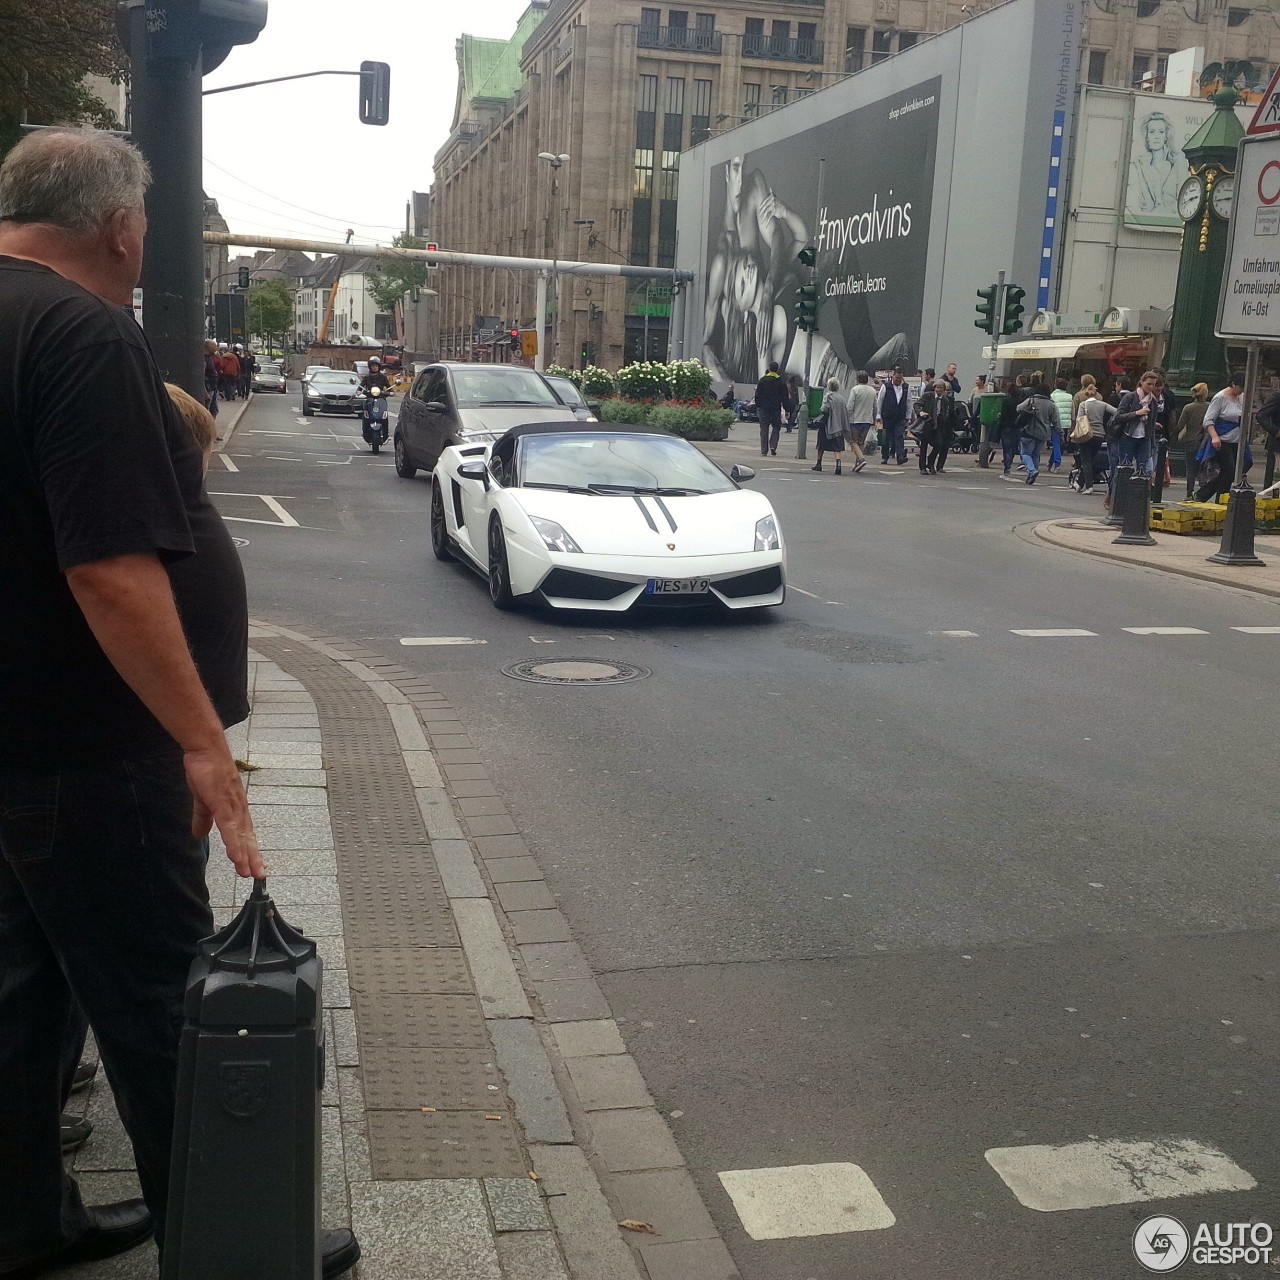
408, 1145
416, 1021
412, 970
398, 1079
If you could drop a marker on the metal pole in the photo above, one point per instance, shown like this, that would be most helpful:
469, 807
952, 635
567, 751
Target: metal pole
540, 320
167, 128
802, 424
647, 285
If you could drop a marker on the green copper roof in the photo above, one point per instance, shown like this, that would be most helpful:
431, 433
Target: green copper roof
490, 69
1222, 128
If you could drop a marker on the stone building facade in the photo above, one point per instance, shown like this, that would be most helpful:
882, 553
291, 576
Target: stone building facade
622, 87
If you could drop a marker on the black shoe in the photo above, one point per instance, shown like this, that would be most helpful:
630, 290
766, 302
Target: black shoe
773, 453
75, 1133
112, 1229
1031, 477
817, 466
340, 1251
83, 1076
838, 471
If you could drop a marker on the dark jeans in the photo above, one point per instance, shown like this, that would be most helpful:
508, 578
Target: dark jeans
1030, 448
1226, 455
770, 428
227, 385
1189, 452
893, 440
1086, 451
1009, 449
1136, 453
102, 904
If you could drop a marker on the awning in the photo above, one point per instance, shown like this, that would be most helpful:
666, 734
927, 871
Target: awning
1061, 348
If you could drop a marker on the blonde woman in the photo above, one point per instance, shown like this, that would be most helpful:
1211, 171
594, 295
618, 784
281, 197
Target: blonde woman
1189, 431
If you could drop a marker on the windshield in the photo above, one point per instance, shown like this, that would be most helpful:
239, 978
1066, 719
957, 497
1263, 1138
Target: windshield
606, 463
335, 376
504, 385
566, 390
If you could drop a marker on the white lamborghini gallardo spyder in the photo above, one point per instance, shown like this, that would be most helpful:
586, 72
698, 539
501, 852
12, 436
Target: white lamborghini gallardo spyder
605, 516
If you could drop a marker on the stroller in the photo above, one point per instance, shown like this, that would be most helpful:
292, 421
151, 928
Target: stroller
1101, 467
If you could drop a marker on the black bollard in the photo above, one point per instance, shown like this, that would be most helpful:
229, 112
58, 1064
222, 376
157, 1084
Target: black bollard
1162, 459
244, 1193
1237, 529
1119, 495
1137, 514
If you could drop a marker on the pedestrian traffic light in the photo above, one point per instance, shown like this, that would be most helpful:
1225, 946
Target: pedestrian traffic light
375, 92
242, 277
806, 308
807, 257
986, 309
1013, 309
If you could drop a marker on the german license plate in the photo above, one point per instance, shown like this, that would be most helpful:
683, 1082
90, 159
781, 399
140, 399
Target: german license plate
679, 586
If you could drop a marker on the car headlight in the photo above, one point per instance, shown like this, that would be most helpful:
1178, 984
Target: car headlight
554, 536
767, 534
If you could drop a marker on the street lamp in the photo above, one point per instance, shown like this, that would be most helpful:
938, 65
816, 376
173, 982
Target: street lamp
557, 162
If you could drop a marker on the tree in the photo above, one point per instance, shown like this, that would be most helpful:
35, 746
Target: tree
269, 308
388, 286
46, 50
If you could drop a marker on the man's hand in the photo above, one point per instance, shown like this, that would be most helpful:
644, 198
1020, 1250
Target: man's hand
220, 801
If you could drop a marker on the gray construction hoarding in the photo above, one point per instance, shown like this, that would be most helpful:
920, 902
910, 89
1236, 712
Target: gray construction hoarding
943, 166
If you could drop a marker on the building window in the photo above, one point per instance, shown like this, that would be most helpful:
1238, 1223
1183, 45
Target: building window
1148, 8
855, 48
677, 17
1162, 67
806, 31
651, 17
755, 26
1237, 17
779, 95
675, 95
881, 46
1097, 66
750, 99
780, 34
641, 229
700, 119
906, 39
1141, 67
643, 186
705, 22
670, 175
647, 98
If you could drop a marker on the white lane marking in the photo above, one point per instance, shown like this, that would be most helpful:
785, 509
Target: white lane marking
971, 488
1258, 631
434, 640
806, 1200
284, 520
595, 635
1045, 633
285, 517
329, 462
226, 462
956, 635
1089, 1175
803, 592
1164, 631
540, 640
260, 432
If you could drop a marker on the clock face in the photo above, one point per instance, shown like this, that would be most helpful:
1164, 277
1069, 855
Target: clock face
1224, 194
1190, 197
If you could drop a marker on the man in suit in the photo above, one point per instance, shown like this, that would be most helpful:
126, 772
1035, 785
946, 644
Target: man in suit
893, 411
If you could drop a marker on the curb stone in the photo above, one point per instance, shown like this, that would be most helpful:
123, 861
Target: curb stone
559, 1048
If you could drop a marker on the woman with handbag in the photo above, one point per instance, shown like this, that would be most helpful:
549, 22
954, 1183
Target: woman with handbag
1217, 453
1088, 432
832, 424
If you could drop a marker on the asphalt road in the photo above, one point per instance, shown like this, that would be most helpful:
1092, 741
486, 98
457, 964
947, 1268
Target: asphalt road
873, 880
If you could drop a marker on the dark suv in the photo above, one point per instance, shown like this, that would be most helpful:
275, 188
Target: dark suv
470, 404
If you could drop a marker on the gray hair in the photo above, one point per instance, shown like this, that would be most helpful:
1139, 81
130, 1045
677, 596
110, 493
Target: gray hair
74, 179
833, 384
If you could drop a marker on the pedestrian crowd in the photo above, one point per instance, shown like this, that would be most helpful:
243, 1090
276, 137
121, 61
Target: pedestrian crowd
123, 658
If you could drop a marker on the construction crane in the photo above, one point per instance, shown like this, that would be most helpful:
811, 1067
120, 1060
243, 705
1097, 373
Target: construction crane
323, 335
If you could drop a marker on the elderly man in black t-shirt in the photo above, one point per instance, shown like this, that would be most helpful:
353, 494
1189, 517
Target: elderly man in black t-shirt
123, 654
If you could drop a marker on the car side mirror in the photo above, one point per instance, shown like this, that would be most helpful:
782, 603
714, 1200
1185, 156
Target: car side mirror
474, 471
594, 406
436, 406
739, 474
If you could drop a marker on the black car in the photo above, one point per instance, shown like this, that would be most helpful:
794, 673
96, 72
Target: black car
459, 403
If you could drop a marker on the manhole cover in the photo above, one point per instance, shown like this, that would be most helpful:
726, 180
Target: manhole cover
574, 671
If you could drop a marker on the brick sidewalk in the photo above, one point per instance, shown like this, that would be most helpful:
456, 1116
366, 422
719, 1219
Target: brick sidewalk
446, 1086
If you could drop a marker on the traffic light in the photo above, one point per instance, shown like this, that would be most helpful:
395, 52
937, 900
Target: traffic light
986, 309
375, 93
1013, 309
242, 277
515, 337
806, 308
807, 257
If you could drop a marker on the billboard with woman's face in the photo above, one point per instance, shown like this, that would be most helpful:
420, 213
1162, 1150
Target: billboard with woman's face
870, 228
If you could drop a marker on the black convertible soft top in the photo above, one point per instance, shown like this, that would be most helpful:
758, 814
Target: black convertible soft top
575, 426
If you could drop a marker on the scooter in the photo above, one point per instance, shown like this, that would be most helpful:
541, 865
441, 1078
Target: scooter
373, 421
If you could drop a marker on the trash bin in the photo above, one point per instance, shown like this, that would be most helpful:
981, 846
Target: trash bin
244, 1192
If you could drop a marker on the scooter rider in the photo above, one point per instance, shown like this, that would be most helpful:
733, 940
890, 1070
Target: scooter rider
376, 386
375, 377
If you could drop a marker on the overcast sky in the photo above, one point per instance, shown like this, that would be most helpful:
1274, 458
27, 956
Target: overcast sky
293, 159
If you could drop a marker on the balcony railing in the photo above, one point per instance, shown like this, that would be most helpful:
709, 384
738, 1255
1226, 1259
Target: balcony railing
781, 48
691, 39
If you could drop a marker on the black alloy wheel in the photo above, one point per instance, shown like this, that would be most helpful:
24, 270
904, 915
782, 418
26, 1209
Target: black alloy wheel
439, 529
499, 569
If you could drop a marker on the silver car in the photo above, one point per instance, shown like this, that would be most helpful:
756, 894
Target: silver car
456, 403
269, 377
331, 391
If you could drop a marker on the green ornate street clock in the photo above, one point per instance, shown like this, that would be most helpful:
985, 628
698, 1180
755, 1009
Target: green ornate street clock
1204, 205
